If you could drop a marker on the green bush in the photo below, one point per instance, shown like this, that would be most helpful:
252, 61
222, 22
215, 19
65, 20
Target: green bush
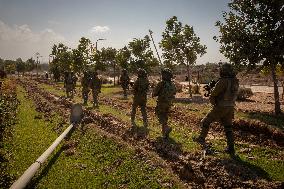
244, 93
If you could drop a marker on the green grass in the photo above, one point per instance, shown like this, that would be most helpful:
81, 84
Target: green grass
183, 135
30, 136
98, 162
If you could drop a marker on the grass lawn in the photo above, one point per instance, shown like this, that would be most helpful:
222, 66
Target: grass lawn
95, 161
259, 157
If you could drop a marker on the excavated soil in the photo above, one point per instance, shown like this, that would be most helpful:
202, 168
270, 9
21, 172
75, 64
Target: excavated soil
195, 169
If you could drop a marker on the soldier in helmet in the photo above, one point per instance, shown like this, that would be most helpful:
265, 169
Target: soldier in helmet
70, 83
222, 98
165, 91
85, 87
124, 82
140, 89
95, 85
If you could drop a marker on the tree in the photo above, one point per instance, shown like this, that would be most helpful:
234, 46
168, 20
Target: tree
20, 66
141, 54
10, 66
82, 55
62, 61
180, 45
108, 56
266, 70
30, 64
123, 57
253, 33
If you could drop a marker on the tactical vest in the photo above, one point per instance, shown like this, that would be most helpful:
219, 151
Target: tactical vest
229, 96
167, 91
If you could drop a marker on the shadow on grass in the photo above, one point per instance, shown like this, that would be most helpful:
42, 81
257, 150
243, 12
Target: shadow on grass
238, 167
138, 133
34, 182
267, 118
168, 148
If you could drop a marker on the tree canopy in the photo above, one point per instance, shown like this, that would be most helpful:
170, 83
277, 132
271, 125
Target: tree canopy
253, 33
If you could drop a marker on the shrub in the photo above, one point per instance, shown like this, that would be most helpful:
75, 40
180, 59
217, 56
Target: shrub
244, 93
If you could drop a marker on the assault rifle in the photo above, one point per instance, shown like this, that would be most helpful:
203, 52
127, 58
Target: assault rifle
209, 87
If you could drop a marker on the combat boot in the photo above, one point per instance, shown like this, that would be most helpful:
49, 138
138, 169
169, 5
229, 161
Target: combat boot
230, 149
201, 138
166, 131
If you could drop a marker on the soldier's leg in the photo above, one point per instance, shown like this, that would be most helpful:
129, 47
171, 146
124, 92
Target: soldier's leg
125, 92
227, 123
133, 114
85, 95
162, 111
144, 115
95, 98
165, 127
205, 124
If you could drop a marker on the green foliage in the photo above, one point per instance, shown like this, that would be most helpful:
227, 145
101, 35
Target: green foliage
123, 57
142, 55
180, 44
252, 33
62, 61
8, 113
244, 93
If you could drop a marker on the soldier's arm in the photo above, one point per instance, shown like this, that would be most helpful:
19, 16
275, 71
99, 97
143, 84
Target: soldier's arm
157, 89
217, 90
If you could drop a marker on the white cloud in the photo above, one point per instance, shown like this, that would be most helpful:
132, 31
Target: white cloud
100, 29
20, 41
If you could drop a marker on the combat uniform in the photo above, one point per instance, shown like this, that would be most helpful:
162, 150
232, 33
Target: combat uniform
70, 83
140, 89
85, 87
165, 90
95, 85
223, 97
124, 82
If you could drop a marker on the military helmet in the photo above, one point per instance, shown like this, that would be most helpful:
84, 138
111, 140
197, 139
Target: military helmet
167, 74
226, 70
141, 72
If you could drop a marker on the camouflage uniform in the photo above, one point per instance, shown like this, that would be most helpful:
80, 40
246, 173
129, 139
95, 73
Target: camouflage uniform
95, 85
223, 97
85, 87
140, 89
165, 90
70, 83
124, 82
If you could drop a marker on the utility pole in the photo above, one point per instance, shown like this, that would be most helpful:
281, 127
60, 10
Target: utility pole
97, 43
37, 62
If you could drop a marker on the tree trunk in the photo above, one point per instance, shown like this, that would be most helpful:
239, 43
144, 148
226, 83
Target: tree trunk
276, 92
189, 86
113, 74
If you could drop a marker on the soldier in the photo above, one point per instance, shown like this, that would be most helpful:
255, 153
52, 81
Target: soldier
85, 87
95, 85
70, 83
165, 90
140, 89
222, 98
124, 82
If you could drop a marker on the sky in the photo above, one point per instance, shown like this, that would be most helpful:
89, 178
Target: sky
31, 26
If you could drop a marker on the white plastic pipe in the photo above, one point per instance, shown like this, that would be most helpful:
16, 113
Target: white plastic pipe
30, 172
